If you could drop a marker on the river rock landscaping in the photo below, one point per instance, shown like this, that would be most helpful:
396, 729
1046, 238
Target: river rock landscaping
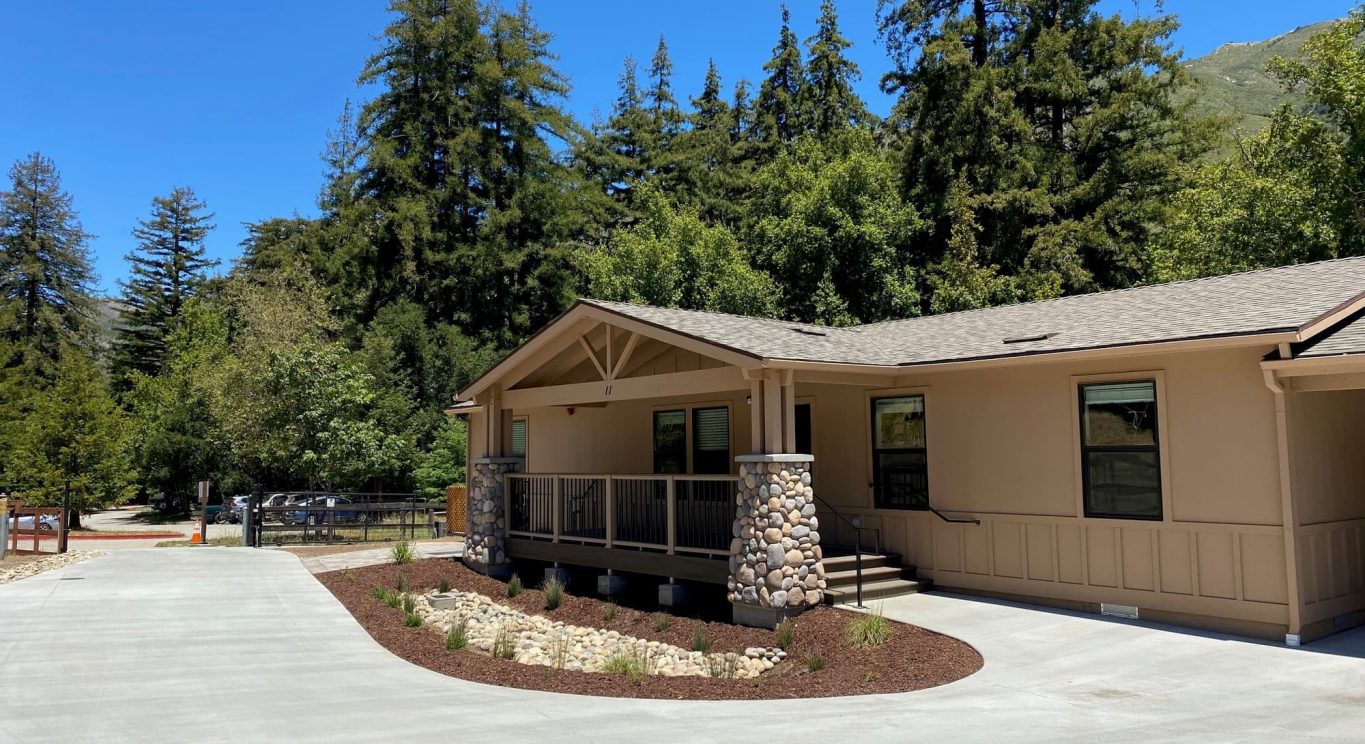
22, 567
589, 646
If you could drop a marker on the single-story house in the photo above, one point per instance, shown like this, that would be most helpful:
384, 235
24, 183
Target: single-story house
1191, 452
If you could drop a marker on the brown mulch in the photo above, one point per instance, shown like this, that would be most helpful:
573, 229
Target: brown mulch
913, 658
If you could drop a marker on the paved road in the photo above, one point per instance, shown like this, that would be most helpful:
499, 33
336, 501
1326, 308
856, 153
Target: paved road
243, 645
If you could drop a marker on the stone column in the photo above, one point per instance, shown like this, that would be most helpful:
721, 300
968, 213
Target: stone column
485, 539
776, 568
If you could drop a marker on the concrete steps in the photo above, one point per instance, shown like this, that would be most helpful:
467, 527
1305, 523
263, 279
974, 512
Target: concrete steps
883, 576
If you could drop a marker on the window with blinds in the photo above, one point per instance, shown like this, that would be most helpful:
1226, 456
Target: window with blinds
518, 437
1120, 451
711, 440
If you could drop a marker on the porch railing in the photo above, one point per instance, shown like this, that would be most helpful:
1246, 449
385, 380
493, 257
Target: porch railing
670, 513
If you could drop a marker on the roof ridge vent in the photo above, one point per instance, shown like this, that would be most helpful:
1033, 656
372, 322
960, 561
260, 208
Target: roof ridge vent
1026, 339
810, 331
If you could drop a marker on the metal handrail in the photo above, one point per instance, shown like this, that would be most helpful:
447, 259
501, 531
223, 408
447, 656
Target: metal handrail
951, 520
857, 548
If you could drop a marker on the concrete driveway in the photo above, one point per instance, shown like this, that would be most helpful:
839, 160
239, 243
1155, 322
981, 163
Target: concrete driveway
243, 645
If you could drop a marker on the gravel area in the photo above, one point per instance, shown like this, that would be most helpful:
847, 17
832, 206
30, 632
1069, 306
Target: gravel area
28, 565
912, 659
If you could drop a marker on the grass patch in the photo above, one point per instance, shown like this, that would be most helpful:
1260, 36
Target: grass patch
868, 630
444, 586
661, 622
409, 603
229, 541
412, 620
785, 635
609, 612
458, 637
554, 593
403, 552
700, 640
815, 662
514, 586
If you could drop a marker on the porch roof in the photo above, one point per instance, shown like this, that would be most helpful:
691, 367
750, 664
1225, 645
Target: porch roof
1347, 338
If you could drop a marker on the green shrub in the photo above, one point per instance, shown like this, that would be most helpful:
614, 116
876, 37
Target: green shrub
609, 612
554, 593
458, 637
514, 586
409, 604
815, 662
392, 599
785, 635
700, 640
379, 593
628, 663
412, 620
868, 630
444, 586
661, 622
403, 553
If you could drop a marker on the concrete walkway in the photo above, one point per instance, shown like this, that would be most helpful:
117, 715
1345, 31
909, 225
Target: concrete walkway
233, 644
375, 556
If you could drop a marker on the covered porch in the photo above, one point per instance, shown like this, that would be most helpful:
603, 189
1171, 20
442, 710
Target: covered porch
610, 443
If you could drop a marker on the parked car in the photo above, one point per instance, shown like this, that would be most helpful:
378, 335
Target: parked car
46, 523
306, 515
231, 513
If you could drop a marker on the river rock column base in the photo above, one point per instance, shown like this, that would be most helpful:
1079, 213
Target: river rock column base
776, 568
485, 542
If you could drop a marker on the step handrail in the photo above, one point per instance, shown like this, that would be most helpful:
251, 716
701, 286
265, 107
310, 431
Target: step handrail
951, 520
857, 548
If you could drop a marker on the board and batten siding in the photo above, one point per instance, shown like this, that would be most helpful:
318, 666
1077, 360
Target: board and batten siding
1003, 447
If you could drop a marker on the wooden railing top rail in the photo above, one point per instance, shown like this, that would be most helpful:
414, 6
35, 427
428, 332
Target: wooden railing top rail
630, 476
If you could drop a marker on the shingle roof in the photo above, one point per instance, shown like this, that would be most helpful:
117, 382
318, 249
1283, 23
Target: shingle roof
1348, 338
1254, 302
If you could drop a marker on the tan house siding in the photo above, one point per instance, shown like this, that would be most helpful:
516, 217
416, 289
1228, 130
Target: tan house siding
1328, 455
1002, 447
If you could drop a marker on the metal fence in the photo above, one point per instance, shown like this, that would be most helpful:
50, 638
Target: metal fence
320, 517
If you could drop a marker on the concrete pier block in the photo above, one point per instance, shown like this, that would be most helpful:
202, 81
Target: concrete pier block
610, 585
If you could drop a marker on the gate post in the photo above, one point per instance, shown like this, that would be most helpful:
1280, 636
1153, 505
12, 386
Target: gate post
62, 535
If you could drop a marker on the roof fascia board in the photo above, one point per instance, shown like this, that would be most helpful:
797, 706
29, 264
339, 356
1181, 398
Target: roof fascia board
1304, 366
735, 357
1042, 357
562, 330
1330, 318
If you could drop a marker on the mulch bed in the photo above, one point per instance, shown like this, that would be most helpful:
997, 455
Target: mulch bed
913, 658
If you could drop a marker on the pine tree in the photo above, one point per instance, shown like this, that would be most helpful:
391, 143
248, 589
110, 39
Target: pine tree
707, 172
777, 116
421, 174
828, 101
166, 268
1061, 132
342, 158
666, 119
626, 145
45, 272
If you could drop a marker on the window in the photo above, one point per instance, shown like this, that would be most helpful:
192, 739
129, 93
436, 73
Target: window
670, 441
900, 469
1120, 454
804, 445
711, 440
519, 437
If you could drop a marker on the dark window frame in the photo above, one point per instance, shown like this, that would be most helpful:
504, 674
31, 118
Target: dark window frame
918, 502
654, 439
1154, 447
697, 454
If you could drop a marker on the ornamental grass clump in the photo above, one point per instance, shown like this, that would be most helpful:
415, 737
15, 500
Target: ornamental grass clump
661, 622
815, 662
504, 646
700, 640
554, 593
628, 663
785, 635
514, 586
609, 612
458, 637
412, 620
409, 604
403, 553
869, 630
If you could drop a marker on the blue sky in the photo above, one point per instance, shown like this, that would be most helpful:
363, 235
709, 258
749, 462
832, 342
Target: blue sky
234, 99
